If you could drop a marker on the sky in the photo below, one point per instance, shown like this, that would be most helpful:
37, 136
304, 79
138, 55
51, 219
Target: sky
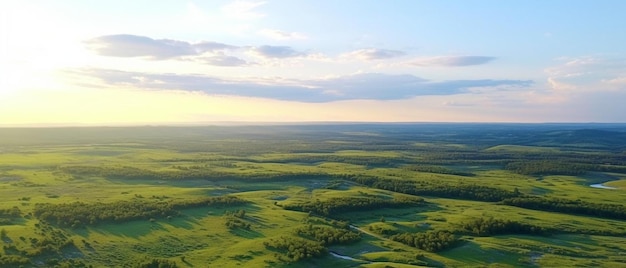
201, 62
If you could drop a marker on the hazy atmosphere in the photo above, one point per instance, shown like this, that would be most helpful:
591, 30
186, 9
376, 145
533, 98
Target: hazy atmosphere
194, 62
288, 134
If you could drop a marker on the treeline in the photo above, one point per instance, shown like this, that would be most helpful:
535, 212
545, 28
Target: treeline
133, 173
79, 214
548, 167
436, 169
490, 226
110, 172
328, 235
610, 168
154, 263
438, 240
492, 194
534, 163
296, 248
611, 211
13, 261
351, 159
438, 189
7, 215
334, 206
432, 241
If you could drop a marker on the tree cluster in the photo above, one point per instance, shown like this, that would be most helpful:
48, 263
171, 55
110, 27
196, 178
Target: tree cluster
334, 206
296, 248
9, 214
156, 263
13, 260
490, 226
432, 241
77, 214
328, 235
235, 220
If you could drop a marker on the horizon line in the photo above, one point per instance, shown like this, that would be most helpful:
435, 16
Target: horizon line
289, 123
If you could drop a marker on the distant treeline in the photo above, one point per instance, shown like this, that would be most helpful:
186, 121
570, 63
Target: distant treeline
548, 168
436, 169
492, 194
611, 211
559, 167
370, 161
434, 188
133, 173
334, 206
79, 214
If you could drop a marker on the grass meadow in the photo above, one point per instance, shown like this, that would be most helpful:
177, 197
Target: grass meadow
272, 169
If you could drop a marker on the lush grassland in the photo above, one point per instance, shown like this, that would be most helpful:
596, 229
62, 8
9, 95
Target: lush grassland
374, 182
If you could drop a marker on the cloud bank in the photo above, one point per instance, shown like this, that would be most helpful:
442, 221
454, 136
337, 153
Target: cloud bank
211, 53
374, 54
281, 35
126, 45
368, 86
452, 61
276, 52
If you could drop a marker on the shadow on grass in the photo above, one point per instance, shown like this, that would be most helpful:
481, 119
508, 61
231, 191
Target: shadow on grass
409, 214
473, 254
188, 219
246, 233
132, 229
596, 177
430, 262
365, 245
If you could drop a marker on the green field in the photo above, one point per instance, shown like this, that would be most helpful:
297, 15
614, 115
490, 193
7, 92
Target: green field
388, 195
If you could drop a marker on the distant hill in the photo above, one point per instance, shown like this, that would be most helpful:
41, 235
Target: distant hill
586, 138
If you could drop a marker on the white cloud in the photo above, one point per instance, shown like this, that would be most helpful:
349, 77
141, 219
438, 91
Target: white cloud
221, 60
373, 54
375, 86
451, 61
276, 52
126, 45
616, 83
129, 46
589, 73
281, 35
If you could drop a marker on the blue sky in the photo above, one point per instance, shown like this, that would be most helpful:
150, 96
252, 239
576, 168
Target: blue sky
187, 62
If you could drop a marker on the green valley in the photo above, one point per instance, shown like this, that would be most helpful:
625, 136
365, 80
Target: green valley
326, 195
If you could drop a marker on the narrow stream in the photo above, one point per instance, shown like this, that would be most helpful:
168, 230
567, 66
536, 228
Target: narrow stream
337, 255
601, 186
